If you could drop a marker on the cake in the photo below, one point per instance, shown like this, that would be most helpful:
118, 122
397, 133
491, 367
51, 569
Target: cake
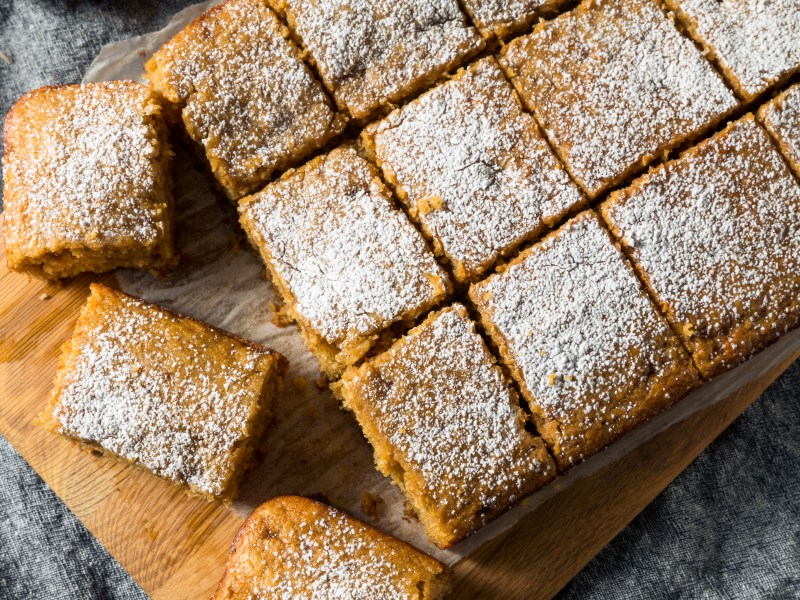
346, 261
755, 44
590, 352
295, 547
244, 94
472, 168
715, 235
614, 85
374, 53
177, 397
446, 427
87, 181
781, 117
499, 19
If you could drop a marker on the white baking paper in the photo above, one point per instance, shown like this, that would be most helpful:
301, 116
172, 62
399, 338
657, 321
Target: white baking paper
314, 447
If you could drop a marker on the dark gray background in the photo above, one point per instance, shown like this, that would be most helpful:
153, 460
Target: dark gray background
728, 527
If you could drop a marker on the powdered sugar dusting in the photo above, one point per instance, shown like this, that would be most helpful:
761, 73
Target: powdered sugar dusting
500, 17
469, 144
781, 116
80, 170
352, 261
758, 41
613, 83
176, 401
443, 407
249, 99
370, 52
717, 232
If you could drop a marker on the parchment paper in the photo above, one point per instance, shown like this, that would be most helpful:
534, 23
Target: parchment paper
314, 447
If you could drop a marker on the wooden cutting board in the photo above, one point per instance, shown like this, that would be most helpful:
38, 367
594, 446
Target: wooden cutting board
175, 546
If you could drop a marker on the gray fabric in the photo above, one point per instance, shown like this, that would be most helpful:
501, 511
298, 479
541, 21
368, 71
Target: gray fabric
728, 527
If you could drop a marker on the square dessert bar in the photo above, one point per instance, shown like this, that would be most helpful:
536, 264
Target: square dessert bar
87, 181
499, 19
373, 53
715, 235
781, 117
592, 355
754, 43
614, 85
182, 399
294, 547
446, 427
244, 94
472, 168
346, 261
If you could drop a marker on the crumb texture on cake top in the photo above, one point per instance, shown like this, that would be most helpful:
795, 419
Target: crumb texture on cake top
613, 83
500, 18
473, 168
756, 42
373, 52
716, 236
294, 547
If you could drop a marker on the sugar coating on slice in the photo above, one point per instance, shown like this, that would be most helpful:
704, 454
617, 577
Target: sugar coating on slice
716, 236
589, 349
781, 116
446, 426
82, 169
473, 168
756, 42
293, 547
613, 84
373, 52
246, 95
176, 398
500, 18
351, 262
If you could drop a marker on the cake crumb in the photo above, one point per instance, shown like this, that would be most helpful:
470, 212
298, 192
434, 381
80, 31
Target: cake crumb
300, 383
429, 204
370, 504
6, 58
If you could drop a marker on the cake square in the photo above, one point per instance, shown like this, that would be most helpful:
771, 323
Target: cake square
590, 352
754, 43
500, 19
87, 181
715, 235
781, 117
346, 261
614, 85
446, 427
244, 94
371, 54
179, 398
294, 547
472, 168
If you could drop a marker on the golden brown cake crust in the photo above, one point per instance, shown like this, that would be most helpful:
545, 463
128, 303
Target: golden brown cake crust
715, 235
446, 427
244, 94
175, 396
590, 352
87, 185
346, 261
294, 547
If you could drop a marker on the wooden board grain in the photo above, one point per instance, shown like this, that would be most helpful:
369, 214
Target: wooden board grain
175, 546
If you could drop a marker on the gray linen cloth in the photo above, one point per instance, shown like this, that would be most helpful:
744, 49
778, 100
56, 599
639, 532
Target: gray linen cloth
728, 527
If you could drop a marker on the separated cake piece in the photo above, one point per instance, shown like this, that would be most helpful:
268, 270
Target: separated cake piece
589, 350
294, 547
715, 235
179, 398
472, 168
614, 84
446, 427
502, 18
372, 53
244, 94
781, 116
754, 43
87, 183
346, 261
